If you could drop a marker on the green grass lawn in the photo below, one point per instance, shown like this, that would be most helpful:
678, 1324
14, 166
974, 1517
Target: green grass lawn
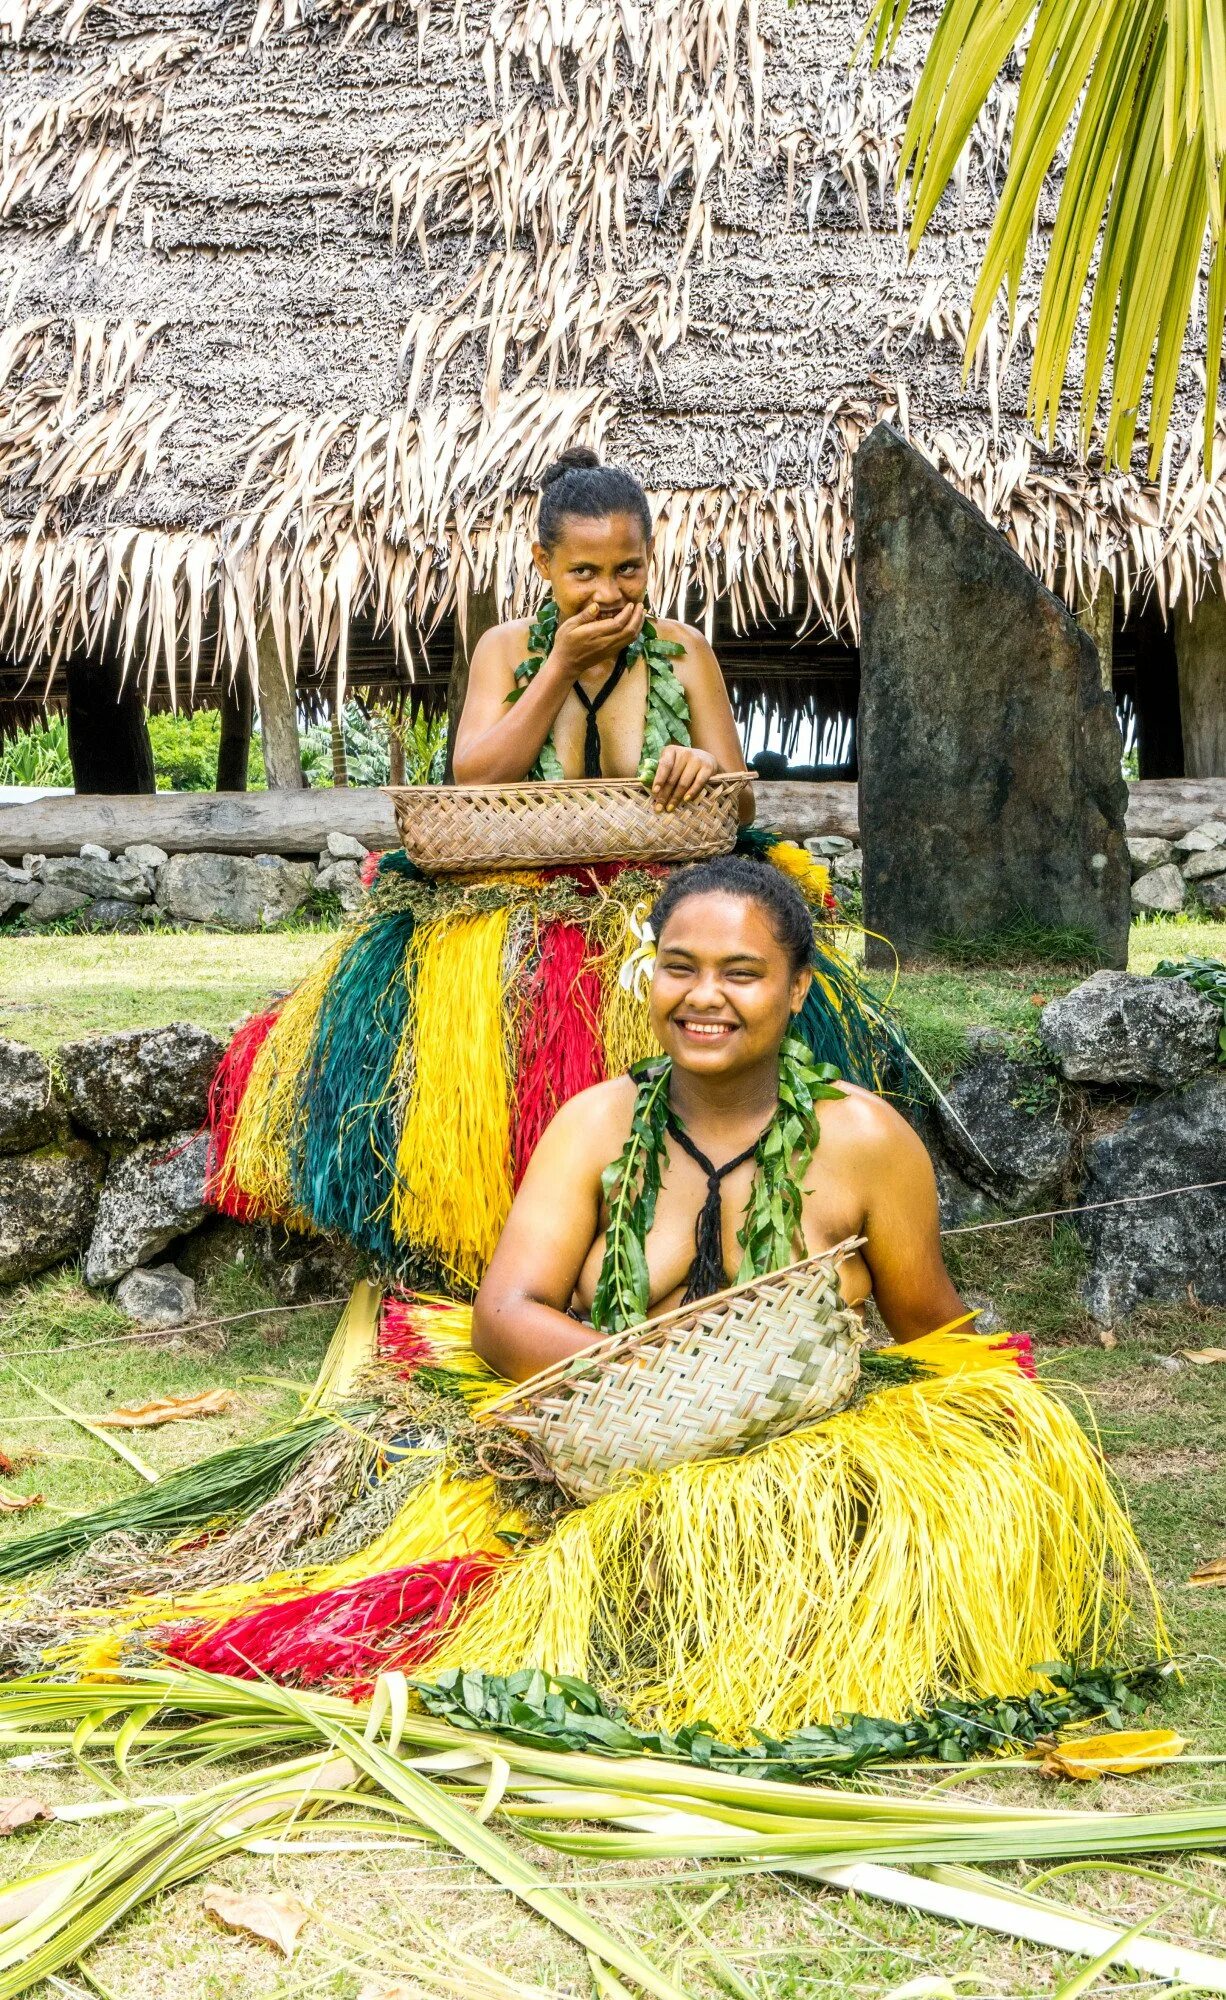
1163, 1429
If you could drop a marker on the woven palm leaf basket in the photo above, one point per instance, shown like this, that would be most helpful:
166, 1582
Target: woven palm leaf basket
451, 829
701, 1382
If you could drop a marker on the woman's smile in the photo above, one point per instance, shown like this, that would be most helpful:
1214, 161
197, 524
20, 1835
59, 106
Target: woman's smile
705, 1031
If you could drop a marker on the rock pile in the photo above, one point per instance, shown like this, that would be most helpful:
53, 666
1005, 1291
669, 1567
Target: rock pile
236, 892
1124, 1099
1171, 875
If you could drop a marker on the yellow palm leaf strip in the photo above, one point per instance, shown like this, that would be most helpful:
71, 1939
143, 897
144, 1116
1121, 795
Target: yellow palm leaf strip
259, 1162
842, 1568
625, 1028
453, 1182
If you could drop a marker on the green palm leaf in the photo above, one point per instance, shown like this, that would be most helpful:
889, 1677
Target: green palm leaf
1135, 90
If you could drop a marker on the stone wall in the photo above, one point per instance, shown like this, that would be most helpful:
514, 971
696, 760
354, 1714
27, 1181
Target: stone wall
1123, 1095
103, 1156
143, 884
1180, 874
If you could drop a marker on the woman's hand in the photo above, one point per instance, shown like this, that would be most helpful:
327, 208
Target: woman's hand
590, 637
680, 774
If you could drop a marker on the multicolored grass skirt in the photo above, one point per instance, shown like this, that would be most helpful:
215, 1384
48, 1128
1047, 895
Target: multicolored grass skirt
943, 1536
395, 1098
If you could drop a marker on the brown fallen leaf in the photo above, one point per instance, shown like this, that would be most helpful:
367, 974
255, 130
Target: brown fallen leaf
1118, 1754
166, 1410
14, 1462
277, 1919
1203, 1356
1107, 1339
27, 1811
387, 1989
19, 1503
1210, 1572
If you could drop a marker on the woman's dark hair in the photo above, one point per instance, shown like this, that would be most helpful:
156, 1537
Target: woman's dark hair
755, 881
577, 483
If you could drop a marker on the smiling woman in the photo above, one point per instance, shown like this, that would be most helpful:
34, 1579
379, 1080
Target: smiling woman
723, 1132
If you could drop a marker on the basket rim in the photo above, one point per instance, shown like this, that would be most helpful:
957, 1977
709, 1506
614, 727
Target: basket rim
651, 1332
719, 781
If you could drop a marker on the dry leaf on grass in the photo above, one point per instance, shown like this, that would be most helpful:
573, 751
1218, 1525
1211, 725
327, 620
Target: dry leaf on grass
1203, 1356
167, 1410
1117, 1755
19, 1503
387, 1989
27, 1811
1107, 1339
277, 1919
1210, 1572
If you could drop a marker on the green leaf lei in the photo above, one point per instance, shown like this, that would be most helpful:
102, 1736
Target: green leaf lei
770, 1236
668, 714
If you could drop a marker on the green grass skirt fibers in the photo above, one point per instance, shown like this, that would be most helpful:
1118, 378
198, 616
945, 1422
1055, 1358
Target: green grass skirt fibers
942, 1537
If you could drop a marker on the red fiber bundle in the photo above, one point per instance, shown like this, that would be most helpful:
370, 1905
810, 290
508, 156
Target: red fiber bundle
401, 1335
560, 1051
1019, 1346
225, 1096
391, 1621
368, 869
592, 875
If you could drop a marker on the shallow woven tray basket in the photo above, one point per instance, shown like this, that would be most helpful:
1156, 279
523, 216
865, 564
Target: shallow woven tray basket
450, 829
702, 1382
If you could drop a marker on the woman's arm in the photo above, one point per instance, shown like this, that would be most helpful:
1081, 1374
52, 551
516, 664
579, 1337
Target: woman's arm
520, 1322
912, 1288
498, 741
715, 743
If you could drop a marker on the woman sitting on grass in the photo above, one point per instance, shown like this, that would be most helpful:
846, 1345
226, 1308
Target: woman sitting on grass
593, 686
734, 1110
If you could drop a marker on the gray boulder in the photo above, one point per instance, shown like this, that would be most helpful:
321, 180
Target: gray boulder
1198, 867
161, 1297
1127, 1028
27, 1109
1213, 894
47, 1205
1160, 890
342, 879
1211, 833
1001, 1123
143, 854
151, 1196
54, 900
848, 867
89, 850
1156, 1249
111, 915
234, 891
17, 888
343, 847
1145, 853
142, 1082
84, 874
826, 845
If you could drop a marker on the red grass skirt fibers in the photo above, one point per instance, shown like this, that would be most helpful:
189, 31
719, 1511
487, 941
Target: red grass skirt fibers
387, 1622
560, 1051
225, 1096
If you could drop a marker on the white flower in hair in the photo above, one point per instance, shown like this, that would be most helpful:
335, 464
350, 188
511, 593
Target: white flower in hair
635, 975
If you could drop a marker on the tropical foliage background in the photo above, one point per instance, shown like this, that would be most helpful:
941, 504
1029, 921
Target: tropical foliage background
1130, 95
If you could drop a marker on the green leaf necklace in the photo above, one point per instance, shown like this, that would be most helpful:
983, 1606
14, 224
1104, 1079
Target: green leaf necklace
771, 1235
668, 715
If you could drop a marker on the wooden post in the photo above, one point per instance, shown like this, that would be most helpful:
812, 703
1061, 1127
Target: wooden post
1096, 615
395, 751
483, 614
340, 769
278, 719
234, 744
1200, 646
108, 741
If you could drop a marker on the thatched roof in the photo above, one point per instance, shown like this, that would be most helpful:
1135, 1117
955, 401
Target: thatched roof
300, 296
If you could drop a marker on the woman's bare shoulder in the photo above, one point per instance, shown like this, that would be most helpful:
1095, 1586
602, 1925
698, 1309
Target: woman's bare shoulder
861, 1117
505, 644
600, 1113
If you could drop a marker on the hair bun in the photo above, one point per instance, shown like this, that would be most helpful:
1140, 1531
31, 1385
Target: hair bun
580, 458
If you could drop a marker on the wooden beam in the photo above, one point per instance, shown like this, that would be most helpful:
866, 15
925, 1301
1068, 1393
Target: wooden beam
108, 739
1200, 645
234, 745
299, 822
481, 615
278, 719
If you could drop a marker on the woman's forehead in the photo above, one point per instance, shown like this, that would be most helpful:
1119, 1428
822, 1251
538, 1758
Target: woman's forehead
609, 537
717, 923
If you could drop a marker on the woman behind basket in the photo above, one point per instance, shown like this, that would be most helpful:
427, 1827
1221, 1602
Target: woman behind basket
593, 686
734, 1112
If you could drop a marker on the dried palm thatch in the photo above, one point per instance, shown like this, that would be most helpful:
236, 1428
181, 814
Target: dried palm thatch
357, 269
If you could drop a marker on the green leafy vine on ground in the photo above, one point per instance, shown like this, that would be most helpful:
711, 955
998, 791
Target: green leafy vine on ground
562, 1712
1206, 976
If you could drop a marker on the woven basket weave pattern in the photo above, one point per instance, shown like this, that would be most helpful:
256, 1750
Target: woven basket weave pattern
745, 1366
447, 829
